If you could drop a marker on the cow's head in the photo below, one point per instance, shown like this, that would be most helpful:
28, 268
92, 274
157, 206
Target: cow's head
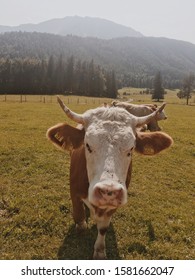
109, 138
161, 115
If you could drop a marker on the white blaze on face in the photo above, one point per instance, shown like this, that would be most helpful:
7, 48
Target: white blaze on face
109, 141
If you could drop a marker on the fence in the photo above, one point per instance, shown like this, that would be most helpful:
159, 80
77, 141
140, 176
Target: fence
52, 99
71, 99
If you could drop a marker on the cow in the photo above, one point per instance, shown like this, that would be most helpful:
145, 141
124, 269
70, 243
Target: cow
143, 110
101, 150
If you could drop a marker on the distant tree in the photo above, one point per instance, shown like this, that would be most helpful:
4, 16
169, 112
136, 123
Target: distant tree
83, 81
77, 78
59, 75
91, 79
70, 73
100, 82
5, 71
114, 85
42, 76
111, 88
158, 91
187, 87
50, 75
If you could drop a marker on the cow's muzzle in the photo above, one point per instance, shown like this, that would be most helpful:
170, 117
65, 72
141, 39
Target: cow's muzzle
108, 194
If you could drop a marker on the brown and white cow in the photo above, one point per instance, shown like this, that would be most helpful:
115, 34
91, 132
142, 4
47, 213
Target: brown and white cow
101, 159
141, 110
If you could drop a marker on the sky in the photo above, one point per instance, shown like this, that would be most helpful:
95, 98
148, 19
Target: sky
156, 18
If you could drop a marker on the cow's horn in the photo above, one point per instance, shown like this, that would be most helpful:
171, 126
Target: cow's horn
72, 115
145, 120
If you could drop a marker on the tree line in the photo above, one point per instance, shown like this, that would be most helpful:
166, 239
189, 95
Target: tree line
56, 75
135, 60
146, 81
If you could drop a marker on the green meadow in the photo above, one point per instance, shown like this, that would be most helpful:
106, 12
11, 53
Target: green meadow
35, 207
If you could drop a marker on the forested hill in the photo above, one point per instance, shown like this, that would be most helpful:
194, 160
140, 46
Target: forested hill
135, 60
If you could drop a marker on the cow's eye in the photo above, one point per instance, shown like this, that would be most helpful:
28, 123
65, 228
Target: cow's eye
129, 153
88, 148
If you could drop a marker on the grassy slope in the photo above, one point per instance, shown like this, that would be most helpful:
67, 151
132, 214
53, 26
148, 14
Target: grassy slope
35, 207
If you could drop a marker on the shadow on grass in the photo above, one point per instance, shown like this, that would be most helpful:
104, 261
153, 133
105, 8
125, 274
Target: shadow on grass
80, 246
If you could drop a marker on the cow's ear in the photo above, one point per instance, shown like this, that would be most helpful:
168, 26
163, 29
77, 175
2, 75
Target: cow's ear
151, 143
65, 136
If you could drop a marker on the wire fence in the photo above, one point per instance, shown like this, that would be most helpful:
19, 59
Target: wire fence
52, 99
72, 99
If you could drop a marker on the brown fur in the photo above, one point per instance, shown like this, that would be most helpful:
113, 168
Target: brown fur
151, 143
65, 136
78, 183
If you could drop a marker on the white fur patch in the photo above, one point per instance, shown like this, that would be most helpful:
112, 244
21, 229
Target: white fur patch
109, 139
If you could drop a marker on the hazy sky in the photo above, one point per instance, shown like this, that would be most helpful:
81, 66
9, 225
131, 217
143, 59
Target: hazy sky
159, 18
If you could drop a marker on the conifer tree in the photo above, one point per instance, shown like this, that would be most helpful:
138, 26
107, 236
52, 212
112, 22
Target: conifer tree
70, 73
50, 75
158, 91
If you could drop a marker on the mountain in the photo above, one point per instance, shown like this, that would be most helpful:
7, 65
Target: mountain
135, 60
79, 26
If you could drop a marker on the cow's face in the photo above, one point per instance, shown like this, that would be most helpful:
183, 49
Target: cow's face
109, 142
161, 116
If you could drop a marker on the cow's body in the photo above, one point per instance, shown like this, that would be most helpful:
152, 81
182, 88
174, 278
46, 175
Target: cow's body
143, 110
101, 161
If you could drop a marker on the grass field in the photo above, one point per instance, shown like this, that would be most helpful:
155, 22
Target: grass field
35, 208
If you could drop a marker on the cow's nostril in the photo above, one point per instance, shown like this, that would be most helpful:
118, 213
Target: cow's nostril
101, 192
109, 193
